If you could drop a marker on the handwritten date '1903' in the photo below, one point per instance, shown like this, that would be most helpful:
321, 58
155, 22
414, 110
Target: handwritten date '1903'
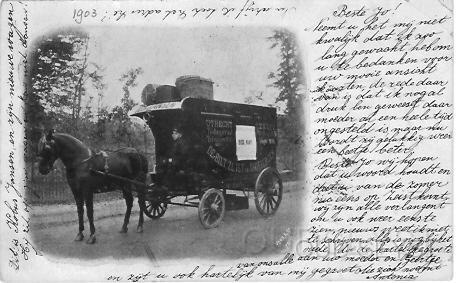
249, 9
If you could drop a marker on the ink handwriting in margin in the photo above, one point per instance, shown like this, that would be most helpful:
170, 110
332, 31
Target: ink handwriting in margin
16, 217
249, 9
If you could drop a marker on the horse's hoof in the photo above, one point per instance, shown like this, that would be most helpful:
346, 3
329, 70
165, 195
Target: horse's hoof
139, 229
124, 230
79, 237
91, 239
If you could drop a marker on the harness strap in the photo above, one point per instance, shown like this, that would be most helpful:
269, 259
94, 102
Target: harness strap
91, 155
105, 156
88, 158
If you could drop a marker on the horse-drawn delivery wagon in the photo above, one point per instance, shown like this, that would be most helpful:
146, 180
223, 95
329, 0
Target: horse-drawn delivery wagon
210, 153
224, 147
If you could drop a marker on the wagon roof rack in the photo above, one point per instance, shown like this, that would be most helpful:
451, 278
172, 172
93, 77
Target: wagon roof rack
142, 109
205, 106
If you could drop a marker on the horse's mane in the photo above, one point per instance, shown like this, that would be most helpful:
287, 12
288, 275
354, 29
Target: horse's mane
67, 136
71, 139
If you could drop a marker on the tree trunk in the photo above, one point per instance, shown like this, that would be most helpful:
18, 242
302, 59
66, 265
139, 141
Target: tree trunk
79, 85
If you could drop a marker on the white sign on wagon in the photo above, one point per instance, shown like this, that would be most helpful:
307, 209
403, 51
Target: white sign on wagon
246, 144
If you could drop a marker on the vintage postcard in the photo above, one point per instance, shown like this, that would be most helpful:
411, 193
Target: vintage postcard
275, 140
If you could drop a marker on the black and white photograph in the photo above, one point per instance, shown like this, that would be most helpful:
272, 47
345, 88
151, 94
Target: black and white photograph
184, 129
245, 140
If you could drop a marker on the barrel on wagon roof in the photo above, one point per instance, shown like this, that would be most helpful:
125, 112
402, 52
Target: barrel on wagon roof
195, 86
154, 93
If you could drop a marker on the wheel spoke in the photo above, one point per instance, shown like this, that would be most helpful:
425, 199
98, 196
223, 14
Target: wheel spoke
275, 188
215, 217
207, 217
212, 217
271, 205
213, 199
275, 201
262, 201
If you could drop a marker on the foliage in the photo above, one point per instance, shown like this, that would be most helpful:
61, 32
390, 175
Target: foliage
120, 113
65, 91
289, 80
50, 85
56, 73
255, 97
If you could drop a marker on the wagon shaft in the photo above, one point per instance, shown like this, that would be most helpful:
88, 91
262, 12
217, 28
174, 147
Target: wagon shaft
135, 188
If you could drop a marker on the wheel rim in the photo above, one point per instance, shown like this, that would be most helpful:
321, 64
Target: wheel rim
268, 193
211, 208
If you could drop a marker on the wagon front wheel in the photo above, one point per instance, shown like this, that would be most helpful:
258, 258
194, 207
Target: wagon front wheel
154, 208
211, 208
268, 192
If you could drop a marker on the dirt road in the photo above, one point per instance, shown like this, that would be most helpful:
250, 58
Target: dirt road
178, 234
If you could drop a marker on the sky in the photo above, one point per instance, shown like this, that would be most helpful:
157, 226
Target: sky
236, 59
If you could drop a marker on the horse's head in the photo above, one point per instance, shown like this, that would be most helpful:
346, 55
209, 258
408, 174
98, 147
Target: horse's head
47, 153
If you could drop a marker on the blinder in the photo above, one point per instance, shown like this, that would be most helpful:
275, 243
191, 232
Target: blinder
45, 146
47, 154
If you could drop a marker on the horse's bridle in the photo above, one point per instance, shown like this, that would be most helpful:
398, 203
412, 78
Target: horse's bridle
46, 145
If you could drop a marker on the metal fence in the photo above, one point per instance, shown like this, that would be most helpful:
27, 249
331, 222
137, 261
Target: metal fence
53, 187
50, 188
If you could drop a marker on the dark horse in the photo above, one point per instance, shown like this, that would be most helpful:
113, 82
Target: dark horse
79, 161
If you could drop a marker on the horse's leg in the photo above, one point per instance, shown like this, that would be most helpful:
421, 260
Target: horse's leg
89, 198
80, 208
139, 229
129, 203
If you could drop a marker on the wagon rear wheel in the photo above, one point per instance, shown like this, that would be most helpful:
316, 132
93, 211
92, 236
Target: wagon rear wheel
268, 192
211, 208
154, 208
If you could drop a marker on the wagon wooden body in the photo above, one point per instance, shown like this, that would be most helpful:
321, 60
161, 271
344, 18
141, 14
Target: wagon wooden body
231, 153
